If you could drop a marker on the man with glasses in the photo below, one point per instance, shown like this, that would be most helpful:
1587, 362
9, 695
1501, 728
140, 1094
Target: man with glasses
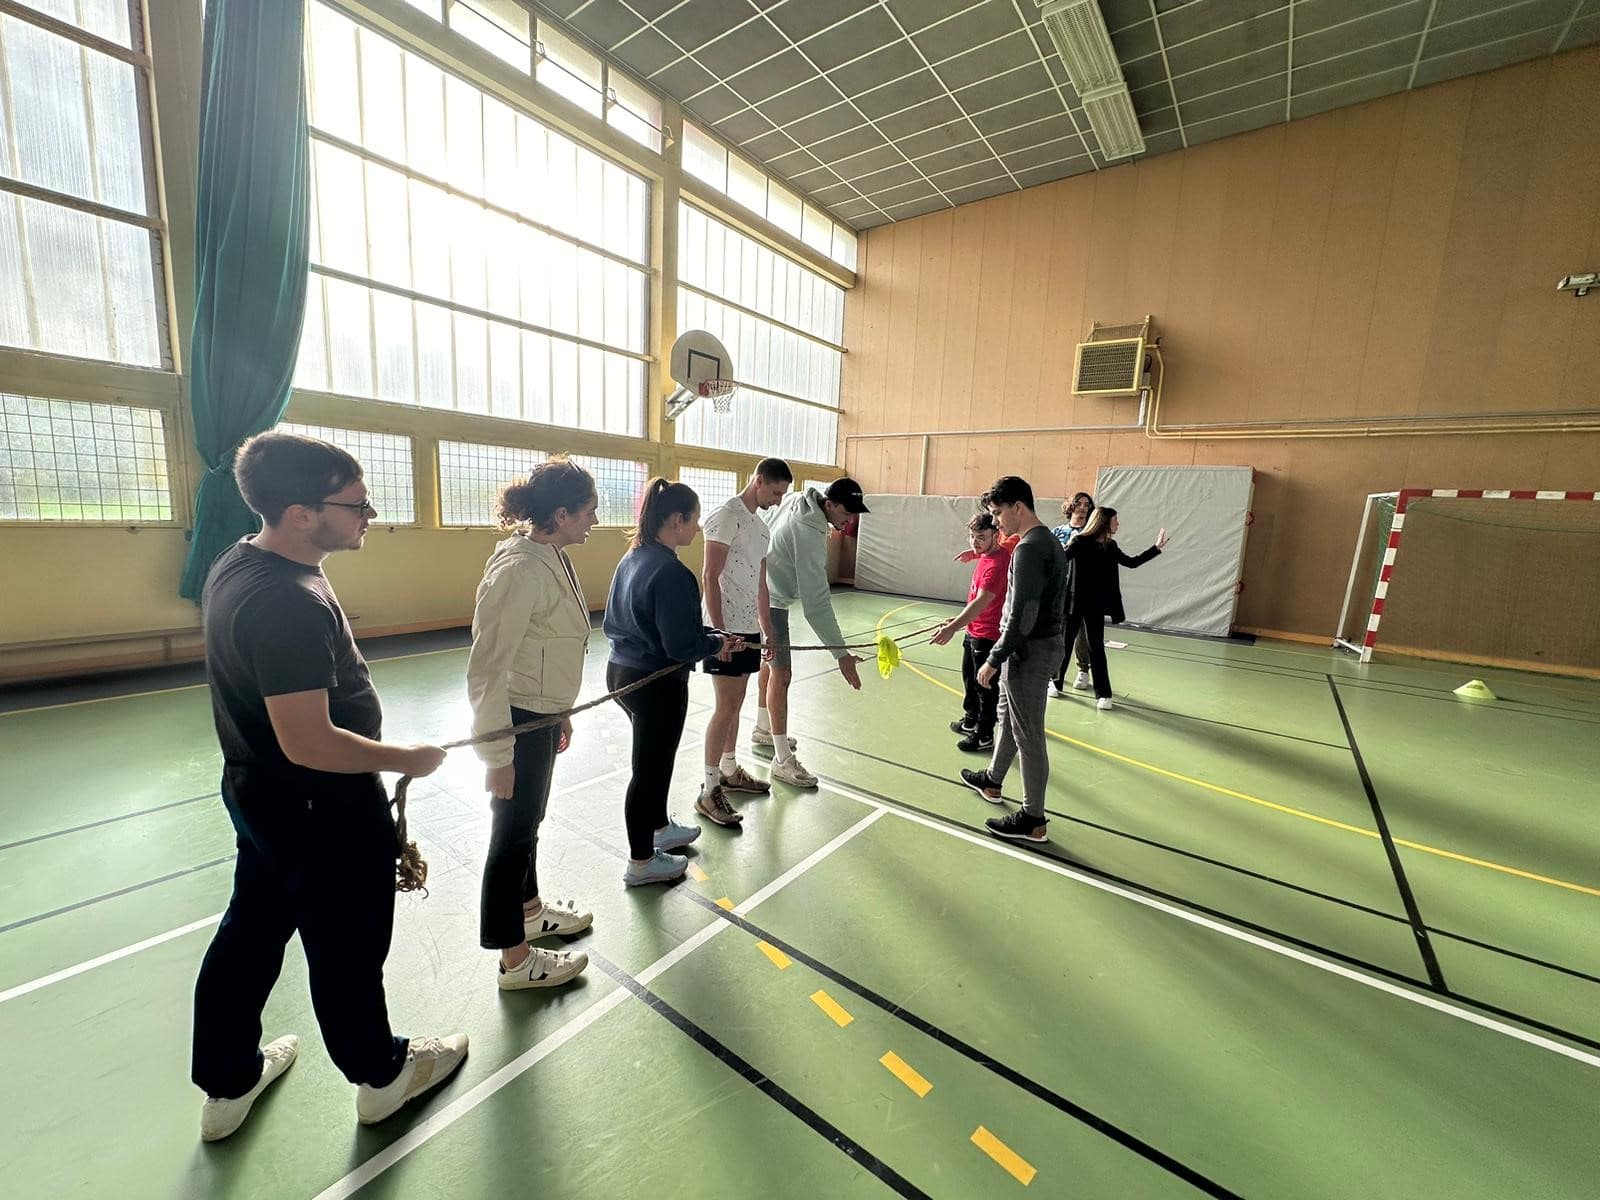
300, 722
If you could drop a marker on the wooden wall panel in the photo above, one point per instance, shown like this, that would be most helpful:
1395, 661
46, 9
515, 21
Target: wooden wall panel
1384, 260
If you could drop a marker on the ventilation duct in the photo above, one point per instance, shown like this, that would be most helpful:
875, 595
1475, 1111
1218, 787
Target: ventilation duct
1112, 361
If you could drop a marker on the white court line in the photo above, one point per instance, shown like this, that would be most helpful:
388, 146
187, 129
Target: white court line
33, 985
441, 1120
1382, 985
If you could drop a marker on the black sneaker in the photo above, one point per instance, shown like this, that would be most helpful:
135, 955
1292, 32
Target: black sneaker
1018, 827
980, 782
962, 726
973, 743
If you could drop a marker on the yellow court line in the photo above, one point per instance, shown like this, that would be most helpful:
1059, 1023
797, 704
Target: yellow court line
697, 874
1420, 847
725, 902
906, 1074
1018, 1167
832, 1007
779, 959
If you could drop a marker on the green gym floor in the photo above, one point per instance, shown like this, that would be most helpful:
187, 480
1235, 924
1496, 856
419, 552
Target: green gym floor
1302, 928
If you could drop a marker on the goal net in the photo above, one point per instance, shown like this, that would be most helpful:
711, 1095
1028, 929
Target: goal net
1489, 577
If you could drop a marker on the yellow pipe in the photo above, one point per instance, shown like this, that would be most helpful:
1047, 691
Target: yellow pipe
1586, 422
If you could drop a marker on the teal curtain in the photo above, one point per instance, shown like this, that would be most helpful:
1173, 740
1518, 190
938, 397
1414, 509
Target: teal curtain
250, 251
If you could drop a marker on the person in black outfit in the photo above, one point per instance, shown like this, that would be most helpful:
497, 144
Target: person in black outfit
1094, 591
653, 621
300, 723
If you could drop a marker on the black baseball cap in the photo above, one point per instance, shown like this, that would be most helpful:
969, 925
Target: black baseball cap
847, 492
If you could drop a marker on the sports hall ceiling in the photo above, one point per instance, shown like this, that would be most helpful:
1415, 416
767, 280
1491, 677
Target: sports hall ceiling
886, 109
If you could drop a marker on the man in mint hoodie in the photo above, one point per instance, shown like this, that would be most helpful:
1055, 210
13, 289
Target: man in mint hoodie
797, 573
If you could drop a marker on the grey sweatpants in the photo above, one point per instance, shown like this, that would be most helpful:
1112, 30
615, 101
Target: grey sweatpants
1019, 724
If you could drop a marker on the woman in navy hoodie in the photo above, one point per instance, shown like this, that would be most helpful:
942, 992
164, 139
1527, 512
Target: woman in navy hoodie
653, 621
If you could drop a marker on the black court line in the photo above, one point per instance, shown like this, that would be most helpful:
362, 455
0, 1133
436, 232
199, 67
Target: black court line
1220, 915
1419, 930
1171, 712
1039, 1091
143, 812
137, 887
832, 1134
1223, 864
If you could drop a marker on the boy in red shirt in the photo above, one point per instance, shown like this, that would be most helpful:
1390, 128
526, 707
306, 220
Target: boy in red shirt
986, 600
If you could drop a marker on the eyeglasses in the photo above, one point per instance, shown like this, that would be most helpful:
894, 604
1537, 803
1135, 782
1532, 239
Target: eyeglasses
364, 507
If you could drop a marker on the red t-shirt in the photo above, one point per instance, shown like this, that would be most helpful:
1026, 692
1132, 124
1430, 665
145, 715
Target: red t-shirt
989, 574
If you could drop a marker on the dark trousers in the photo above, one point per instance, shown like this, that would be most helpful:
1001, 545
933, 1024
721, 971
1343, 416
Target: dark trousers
1079, 650
322, 864
510, 875
1093, 630
657, 712
979, 703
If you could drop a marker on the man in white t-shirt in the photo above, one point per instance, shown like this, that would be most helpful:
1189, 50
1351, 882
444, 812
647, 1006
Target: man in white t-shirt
735, 586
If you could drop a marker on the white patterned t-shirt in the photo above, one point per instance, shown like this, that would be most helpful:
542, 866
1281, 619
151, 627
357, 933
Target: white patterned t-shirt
747, 537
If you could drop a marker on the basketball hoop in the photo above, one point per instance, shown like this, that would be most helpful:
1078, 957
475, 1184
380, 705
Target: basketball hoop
720, 392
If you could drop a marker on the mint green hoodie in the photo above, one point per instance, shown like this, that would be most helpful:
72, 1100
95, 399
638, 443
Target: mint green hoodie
797, 564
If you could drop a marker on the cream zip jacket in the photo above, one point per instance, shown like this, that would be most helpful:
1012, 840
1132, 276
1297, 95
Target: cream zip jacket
530, 631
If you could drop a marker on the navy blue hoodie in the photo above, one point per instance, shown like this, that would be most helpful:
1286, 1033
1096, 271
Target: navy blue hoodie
653, 612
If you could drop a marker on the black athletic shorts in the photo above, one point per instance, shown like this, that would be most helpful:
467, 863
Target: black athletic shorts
746, 662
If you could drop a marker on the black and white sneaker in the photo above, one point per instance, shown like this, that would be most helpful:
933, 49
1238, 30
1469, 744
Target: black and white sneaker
1018, 827
974, 743
980, 782
962, 726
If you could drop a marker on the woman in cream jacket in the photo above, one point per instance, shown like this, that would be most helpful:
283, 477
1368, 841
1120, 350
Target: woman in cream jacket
530, 628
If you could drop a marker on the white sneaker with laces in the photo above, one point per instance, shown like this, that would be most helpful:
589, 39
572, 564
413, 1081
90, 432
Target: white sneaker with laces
429, 1062
558, 918
1104, 703
791, 772
219, 1118
1083, 683
542, 969
761, 739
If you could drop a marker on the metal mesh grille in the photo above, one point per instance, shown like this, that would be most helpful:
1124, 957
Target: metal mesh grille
471, 475
715, 488
64, 460
1108, 367
620, 483
386, 462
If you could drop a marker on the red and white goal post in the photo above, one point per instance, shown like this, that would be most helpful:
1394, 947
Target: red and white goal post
1362, 642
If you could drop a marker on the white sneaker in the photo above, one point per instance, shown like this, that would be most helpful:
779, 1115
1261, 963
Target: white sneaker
761, 739
543, 969
791, 772
429, 1062
1083, 683
219, 1118
1104, 703
558, 918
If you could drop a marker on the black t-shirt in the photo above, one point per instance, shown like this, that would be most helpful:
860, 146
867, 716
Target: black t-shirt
273, 627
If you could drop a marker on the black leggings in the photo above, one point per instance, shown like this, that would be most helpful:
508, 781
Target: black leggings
1094, 628
657, 712
510, 874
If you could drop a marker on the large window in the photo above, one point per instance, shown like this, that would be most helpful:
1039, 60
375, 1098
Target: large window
471, 476
78, 231
385, 460
68, 461
715, 488
709, 161
783, 325
464, 255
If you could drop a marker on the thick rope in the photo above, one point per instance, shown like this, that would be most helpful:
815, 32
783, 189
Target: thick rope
412, 869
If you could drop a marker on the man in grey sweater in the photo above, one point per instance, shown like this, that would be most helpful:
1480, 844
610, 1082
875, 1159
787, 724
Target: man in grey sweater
1023, 660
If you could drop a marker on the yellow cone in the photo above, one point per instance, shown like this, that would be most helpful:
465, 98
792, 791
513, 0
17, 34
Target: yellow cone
1475, 689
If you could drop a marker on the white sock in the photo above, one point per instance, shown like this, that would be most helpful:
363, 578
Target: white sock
763, 721
713, 778
729, 764
782, 747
